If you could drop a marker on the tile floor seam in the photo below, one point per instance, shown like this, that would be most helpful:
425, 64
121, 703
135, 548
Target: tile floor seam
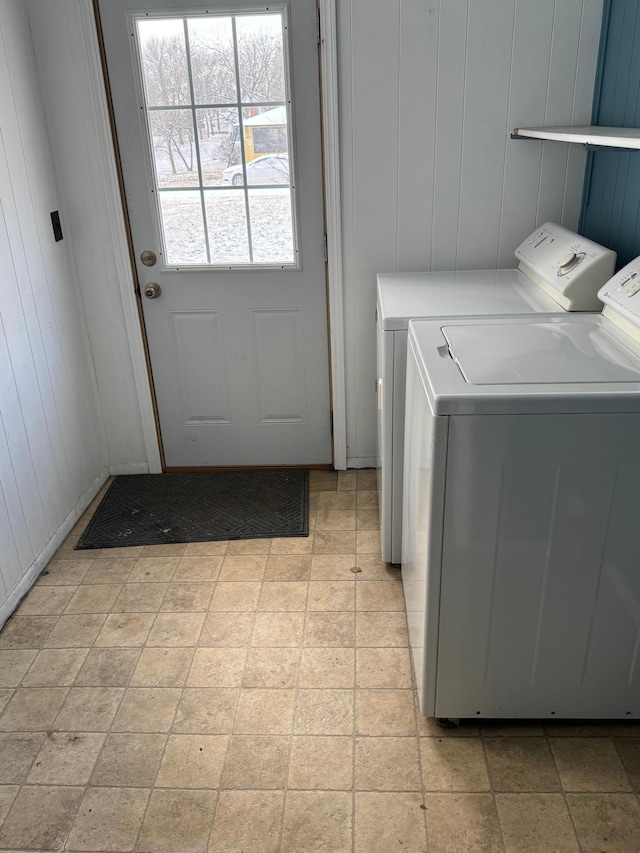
616, 747
33, 761
134, 846
293, 727
75, 817
171, 724
354, 726
288, 789
230, 736
423, 790
563, 793
181, 697
213, 817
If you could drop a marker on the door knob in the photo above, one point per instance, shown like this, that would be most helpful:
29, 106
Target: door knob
152, 290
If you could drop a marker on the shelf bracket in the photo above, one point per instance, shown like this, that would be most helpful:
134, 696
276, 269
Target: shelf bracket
589, 146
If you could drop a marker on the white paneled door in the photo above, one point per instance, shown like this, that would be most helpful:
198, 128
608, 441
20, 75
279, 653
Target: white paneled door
218, 124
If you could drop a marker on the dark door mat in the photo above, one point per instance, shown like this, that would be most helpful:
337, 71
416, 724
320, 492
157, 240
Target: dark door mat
158, 509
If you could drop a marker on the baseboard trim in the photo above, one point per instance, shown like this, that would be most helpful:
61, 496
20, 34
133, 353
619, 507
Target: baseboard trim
33, 572
129, 468
363, 462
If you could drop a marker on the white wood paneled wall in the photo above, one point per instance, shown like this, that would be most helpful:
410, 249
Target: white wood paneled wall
429, 94
430, 180
83, 168
52, 458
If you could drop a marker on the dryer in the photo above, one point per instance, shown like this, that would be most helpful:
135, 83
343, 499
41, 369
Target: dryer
521, 542
557, 271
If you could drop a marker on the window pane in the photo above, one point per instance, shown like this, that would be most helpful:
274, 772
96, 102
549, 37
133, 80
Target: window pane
164, 62
266, 144
260, 57
174, 148
212, 62
271, 226
203, 153
183, 228
227, 226
219, 144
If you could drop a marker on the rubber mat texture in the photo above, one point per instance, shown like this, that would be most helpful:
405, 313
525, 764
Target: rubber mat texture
159, 509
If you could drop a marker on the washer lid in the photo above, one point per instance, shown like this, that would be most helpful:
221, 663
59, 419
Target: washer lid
540, 353
569, 363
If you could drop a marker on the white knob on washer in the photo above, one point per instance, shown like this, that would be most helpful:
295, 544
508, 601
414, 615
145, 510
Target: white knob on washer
568, 261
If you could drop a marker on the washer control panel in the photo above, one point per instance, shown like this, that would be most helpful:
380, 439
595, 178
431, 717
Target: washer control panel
622, 292
569, 267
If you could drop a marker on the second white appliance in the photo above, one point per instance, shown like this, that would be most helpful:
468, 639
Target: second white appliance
558, 271
521, 541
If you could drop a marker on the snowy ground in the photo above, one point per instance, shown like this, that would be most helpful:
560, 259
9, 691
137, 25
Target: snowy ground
271, 227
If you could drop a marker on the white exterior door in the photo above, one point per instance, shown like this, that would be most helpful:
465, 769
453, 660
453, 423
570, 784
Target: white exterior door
218, 124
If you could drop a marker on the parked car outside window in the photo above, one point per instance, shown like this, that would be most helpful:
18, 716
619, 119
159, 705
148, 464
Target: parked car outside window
270, 169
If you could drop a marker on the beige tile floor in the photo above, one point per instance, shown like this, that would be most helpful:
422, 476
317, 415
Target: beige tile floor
257, 696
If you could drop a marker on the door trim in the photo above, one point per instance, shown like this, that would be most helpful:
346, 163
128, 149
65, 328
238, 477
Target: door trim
333, 224
119, 237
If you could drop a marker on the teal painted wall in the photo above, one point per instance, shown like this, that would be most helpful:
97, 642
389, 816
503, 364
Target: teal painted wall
611, 197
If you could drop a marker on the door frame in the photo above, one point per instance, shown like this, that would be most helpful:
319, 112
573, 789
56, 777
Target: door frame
114, 196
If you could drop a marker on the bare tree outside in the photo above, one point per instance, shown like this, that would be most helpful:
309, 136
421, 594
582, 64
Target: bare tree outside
260, 61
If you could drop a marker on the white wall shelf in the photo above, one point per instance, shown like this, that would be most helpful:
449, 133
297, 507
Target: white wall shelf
601, 137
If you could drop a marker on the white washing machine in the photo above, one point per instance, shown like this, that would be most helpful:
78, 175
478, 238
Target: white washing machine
521, 537
558, 271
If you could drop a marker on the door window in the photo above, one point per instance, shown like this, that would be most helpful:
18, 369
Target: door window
217, 109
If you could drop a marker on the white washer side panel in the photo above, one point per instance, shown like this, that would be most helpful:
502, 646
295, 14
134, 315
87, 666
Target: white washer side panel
392, 359
424, 484
397, 448
380, 430
540, 599
386, 440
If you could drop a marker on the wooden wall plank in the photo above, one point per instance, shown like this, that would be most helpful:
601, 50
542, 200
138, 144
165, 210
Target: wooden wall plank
611, 202
627, 73
21, 365
627, 236
453, 35
533, 25
11, 568
374, 62
561, 86
18, 449
484, 135
27, 189
588, 49
17, 517
418, 57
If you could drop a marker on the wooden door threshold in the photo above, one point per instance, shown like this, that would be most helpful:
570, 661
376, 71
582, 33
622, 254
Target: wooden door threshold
202, 469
